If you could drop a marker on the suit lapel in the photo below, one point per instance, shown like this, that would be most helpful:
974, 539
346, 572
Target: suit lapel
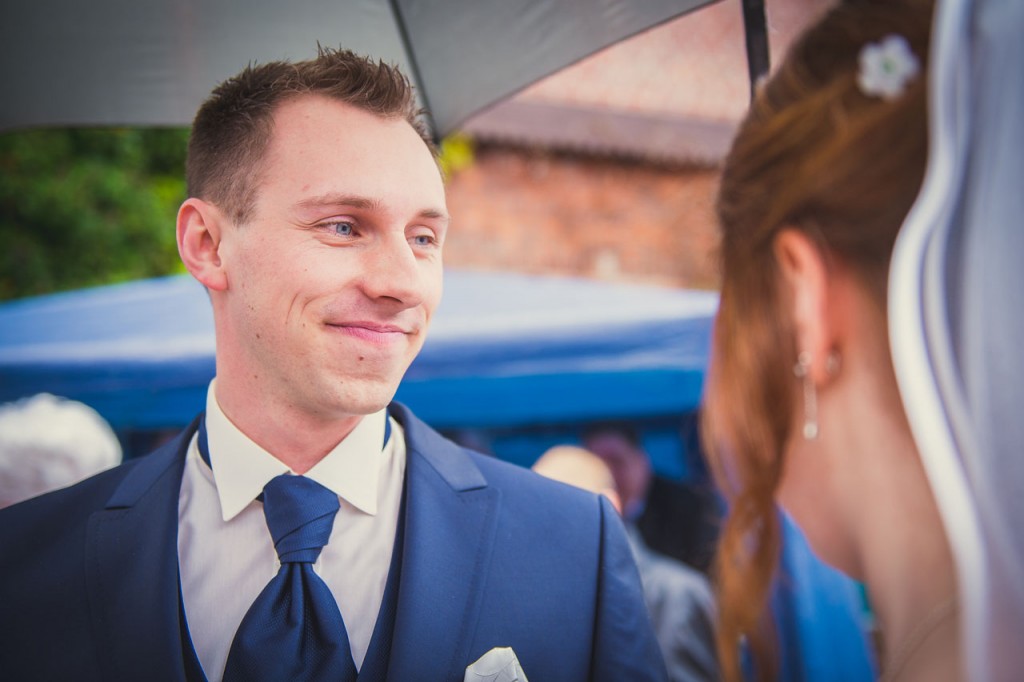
449, 533
132, 569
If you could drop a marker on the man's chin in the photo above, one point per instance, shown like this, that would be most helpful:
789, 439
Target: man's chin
368, 399
339, 394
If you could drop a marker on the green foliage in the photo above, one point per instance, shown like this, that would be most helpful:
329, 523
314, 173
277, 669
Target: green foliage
81, 207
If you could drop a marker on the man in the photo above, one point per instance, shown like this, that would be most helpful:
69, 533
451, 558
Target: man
679, 598
679, 520
316, 219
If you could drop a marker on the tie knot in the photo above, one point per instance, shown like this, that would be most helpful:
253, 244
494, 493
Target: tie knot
300, 515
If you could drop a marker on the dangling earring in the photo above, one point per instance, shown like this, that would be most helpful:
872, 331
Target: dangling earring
802, 370
832, 363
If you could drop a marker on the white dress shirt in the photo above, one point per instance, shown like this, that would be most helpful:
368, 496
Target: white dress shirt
226, 555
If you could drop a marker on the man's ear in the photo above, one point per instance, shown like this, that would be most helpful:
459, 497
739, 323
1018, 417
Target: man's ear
200, 225
804, 267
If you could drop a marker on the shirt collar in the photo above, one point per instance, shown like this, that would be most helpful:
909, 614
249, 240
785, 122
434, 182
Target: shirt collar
242, 468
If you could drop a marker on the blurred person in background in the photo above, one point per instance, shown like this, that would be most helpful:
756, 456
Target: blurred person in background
48, 443
675, 518
802, 404
679, 598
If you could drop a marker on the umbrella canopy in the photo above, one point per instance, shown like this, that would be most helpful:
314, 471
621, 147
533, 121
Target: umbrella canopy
503, 349
110, 62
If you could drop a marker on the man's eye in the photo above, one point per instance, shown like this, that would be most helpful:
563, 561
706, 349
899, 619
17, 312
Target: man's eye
342, 228
423, 240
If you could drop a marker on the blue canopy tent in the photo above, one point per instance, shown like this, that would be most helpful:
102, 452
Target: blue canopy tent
505, 351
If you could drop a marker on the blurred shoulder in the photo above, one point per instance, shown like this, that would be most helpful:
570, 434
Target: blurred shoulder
83, 496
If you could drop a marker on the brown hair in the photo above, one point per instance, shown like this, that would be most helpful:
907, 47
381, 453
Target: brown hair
232, 129
817, 154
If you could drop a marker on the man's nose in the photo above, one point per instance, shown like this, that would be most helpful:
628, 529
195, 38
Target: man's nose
392, 271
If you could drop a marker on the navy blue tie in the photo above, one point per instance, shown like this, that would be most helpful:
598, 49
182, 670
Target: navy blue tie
294, 630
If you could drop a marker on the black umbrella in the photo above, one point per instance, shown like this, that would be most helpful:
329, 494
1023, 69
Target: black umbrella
151, 62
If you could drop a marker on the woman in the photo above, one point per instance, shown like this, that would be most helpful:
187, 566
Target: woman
802, 404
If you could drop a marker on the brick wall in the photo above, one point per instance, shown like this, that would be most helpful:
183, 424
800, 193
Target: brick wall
540, 212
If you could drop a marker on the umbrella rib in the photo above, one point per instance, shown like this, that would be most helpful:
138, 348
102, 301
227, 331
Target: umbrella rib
414, 67
755, 30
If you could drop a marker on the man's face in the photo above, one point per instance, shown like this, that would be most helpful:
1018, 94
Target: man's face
332, 283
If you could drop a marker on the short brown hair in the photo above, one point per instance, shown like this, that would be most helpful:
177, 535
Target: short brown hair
232, 128
817, 154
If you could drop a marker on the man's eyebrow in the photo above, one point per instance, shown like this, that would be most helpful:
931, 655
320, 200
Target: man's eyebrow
434, 214
339, 200
364, 203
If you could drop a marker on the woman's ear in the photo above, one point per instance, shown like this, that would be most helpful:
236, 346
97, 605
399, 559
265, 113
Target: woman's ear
805, 270
199, 237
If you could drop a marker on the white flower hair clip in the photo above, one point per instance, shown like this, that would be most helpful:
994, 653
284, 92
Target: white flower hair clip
886, 67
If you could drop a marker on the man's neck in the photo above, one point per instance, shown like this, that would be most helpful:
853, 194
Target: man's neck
297, 439
301, 449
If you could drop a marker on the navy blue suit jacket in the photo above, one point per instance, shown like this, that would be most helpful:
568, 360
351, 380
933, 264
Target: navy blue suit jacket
494, 556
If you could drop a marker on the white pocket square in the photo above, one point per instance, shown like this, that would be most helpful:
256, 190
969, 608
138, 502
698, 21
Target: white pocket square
497, 665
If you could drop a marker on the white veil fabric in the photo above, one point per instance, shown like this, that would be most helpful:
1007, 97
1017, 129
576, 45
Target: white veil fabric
956, 319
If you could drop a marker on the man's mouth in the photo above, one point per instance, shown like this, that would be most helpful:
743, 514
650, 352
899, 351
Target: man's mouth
372, 332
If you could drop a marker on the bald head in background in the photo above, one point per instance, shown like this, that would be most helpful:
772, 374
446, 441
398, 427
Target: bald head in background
581, 468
